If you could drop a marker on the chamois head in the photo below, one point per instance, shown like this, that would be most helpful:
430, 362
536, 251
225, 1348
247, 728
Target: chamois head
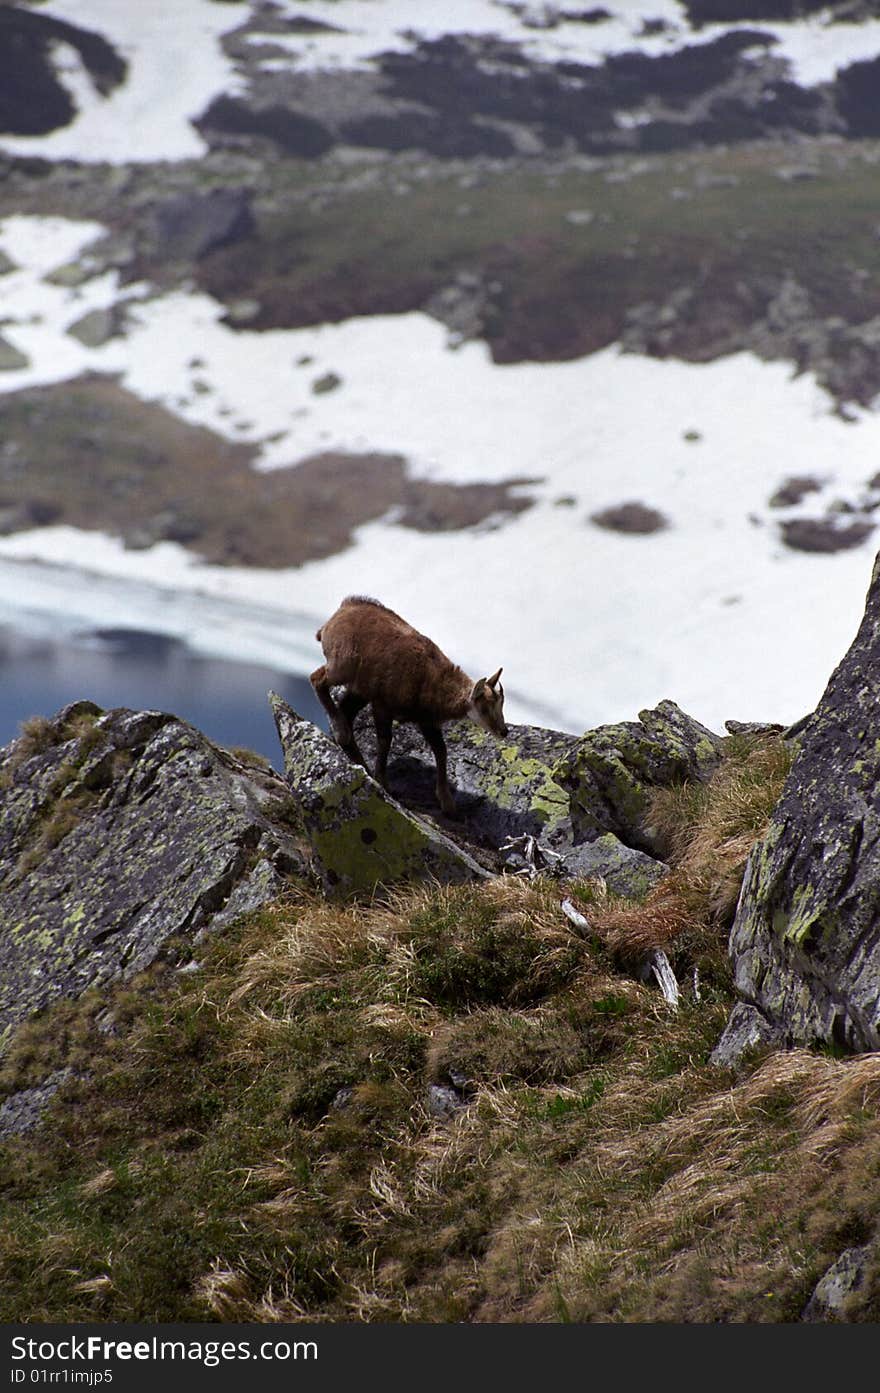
486, 705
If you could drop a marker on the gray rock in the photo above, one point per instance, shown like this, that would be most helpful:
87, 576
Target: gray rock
824, 535
169, 525
625, 870
22, 1111
262, 885
503, 789
442, 1101
754, 728
119, 830
837, 1293
463, 306
98, 326
20, 517
611, 772
190, 225
746, 1030
805, 942
794, 490
566, 791
359, 837
11, 358
72, 275
327, 382
633, 519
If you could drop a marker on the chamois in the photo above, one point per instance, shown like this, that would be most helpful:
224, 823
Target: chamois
385, 663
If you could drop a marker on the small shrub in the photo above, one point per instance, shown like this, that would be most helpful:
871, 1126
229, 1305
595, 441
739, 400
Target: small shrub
37, 734
469, 951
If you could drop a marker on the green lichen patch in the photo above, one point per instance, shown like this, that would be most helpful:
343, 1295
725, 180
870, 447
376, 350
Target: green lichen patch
122, 829
612, 772
806, 939
359, 836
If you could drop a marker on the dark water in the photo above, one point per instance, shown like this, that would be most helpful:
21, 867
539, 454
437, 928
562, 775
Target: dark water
128, 667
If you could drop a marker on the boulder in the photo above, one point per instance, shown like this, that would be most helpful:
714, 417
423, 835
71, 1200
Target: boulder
99, 326
837, 1294
502, 790
611, 772
625, 870
358, 835
805, 942
118, 831
746, 1030
23, 1110
583, 797
190, 225
11, 358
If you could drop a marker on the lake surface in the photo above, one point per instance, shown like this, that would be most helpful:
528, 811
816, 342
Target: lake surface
146, 671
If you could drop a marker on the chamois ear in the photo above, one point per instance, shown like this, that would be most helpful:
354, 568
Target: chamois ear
493, 681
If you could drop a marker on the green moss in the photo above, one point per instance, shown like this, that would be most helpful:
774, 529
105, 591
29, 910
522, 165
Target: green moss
363, 840
511, 774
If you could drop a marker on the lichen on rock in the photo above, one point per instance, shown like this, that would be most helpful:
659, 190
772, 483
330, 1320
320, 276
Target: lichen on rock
120, 830
359, 836
806, 938
611, 771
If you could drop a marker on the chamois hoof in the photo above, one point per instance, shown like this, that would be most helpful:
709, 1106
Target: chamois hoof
352, 749
343, 733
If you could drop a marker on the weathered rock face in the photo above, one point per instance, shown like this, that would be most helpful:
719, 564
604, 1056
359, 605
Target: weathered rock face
118, 831
611, 771
806, 938
359, 836
121, 830
838, 1294
582, 797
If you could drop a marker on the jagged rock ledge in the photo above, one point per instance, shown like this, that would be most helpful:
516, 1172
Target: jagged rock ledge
806, 938
126, 835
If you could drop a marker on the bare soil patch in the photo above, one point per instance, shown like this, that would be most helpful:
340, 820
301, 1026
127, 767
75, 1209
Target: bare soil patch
89, 454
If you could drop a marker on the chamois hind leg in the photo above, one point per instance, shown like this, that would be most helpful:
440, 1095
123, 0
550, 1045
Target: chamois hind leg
340, 721
384, 726
434, 737
350, 704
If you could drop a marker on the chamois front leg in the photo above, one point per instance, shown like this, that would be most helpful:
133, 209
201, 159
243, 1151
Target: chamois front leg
384, 724
434, 737
350, 705
340, 716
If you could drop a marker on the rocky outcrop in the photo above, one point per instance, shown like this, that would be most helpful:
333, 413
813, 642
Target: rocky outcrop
806, 939
358, 836
119, 831
611, 771
583, 798
126, 836
460, 95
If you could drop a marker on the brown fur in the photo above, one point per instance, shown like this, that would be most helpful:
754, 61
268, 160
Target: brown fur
385, 663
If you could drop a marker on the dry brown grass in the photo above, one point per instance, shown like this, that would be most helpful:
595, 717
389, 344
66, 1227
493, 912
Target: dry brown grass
707, 832
276, 1108
753, 1180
